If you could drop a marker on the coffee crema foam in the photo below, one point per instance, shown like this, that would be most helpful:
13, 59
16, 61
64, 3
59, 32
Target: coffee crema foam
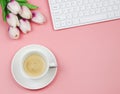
34, 65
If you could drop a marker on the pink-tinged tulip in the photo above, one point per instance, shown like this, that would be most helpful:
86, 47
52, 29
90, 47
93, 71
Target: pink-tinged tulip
38, 18
25, 13
12, 20
14, 33
14, 7
25, 26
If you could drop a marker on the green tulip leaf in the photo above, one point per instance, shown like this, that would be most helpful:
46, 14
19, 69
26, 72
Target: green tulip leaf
30, 6
8, 1
4, 9
22, 1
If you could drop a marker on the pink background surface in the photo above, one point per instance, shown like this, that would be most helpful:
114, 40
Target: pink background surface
88, 57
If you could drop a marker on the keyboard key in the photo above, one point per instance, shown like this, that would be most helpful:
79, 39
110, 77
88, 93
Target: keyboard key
57, 25
73, 3
63, 23
57, 12
111, 14
55, 7
117, 13
76, 21
69, 22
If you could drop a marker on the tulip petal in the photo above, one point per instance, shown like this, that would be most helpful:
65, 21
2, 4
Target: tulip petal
14, 33
25, 13
25, 26
38, 18
12, 20
14, 7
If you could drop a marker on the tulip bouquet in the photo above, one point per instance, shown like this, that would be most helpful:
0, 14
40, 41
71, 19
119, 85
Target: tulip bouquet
18, 14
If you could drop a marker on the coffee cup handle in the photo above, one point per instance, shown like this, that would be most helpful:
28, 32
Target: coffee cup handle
53, 65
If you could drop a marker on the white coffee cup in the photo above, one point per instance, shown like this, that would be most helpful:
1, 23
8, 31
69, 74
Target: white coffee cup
48, 64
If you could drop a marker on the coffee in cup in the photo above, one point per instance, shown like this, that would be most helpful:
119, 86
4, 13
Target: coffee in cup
34, 65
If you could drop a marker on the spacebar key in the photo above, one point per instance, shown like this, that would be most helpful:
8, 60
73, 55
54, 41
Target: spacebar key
93, 18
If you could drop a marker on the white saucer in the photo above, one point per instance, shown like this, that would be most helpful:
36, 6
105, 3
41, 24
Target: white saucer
33, 83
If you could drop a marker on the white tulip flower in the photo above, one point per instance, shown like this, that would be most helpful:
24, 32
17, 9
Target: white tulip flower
14, 7
38, 17
12, 20
25, 26
25, 13
14, 32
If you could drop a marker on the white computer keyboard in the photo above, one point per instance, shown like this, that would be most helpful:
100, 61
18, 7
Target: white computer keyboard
71, 13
